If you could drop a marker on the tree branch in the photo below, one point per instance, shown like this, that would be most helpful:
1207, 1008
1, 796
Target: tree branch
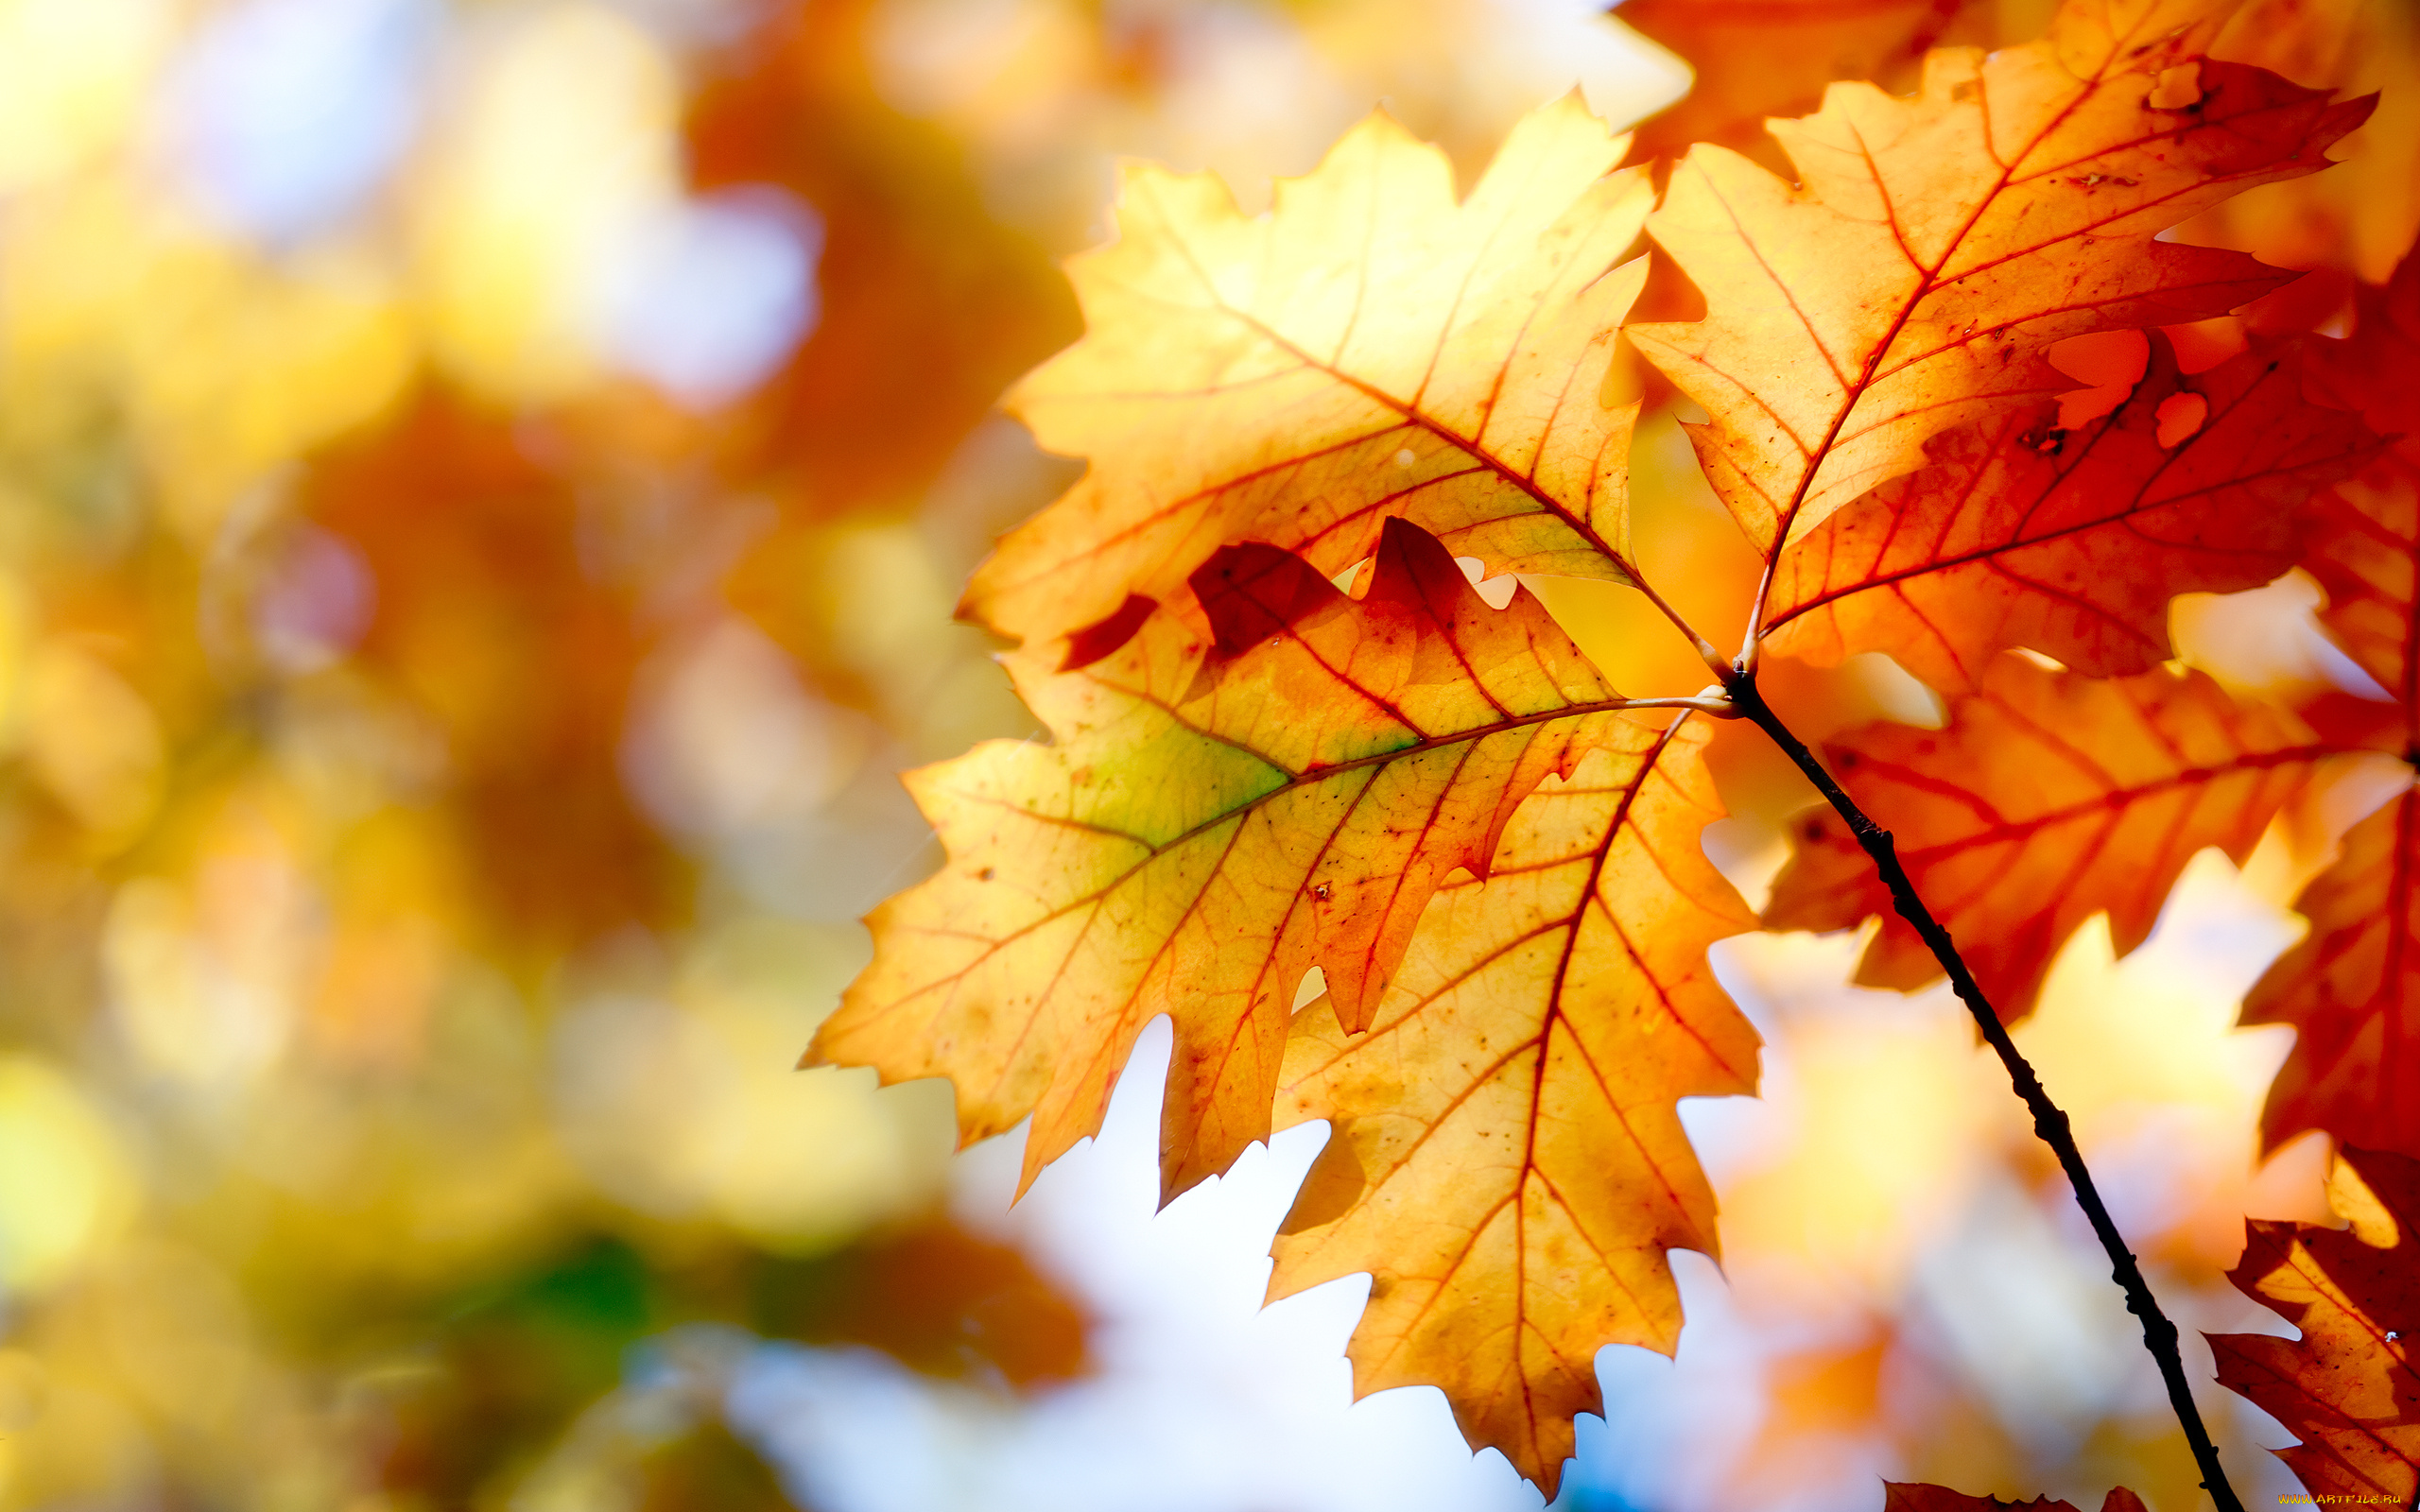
2049, 1122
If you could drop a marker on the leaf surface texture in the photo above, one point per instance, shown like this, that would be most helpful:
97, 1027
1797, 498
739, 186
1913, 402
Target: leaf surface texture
1936, 245
2048, 798
1224, 806
2071, 543
1506, 1158
1370, 348
2346, 1388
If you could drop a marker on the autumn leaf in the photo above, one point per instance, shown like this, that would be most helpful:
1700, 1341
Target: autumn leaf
2360, 217
1902, 1497
1755, 59
2346, 1388
1506, 1160
1368, 349
1937, 246
2364, 550
2370, 370
486, 622
931, 303
2365, 544
1217, 814
2351, 990
2049, 798
2071, 542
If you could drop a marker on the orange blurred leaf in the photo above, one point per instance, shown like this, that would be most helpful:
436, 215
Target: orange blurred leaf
1506, 1157
930, 305
489, 623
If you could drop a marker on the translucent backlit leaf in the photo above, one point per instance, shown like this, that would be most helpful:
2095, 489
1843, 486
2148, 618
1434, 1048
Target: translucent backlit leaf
1936, 245
1218, 813
1507, 1161
2351, 990
2048, 798
2365, 544
2069, 542
1368, 349
2346, 1388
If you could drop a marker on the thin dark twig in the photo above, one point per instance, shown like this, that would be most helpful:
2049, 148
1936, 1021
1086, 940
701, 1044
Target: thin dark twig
2049, 1121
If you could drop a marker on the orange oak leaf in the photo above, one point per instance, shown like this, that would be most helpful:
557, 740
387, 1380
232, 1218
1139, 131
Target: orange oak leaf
2366, 550
1937, 246
2071, 543
2346, 1388
2360, 217
1217, 814
2365, 546
2049, 798
1755, 59
2351, 990
1902, 1497
1368, 349
1506, 1160
2371, 370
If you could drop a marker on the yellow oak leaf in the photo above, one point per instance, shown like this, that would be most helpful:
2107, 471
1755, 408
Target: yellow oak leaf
1506, 1160
1275, 781
1370, 348
2346, 1388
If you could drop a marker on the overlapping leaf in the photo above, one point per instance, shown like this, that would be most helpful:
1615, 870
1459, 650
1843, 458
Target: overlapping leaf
2346, 1388
1506, 1160
2352, 988
1216, 815
2365, 549
2071, 543
1936, 245
1368, 349
2048, 798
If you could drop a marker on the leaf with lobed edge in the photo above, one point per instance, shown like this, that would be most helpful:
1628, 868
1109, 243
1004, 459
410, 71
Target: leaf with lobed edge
1370, 348
2049, 798
1507, 1160
2071, 542
2346, 1388
1938, 245
1274, 780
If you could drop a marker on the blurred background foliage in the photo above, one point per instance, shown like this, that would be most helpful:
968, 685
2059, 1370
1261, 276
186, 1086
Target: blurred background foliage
483, 490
